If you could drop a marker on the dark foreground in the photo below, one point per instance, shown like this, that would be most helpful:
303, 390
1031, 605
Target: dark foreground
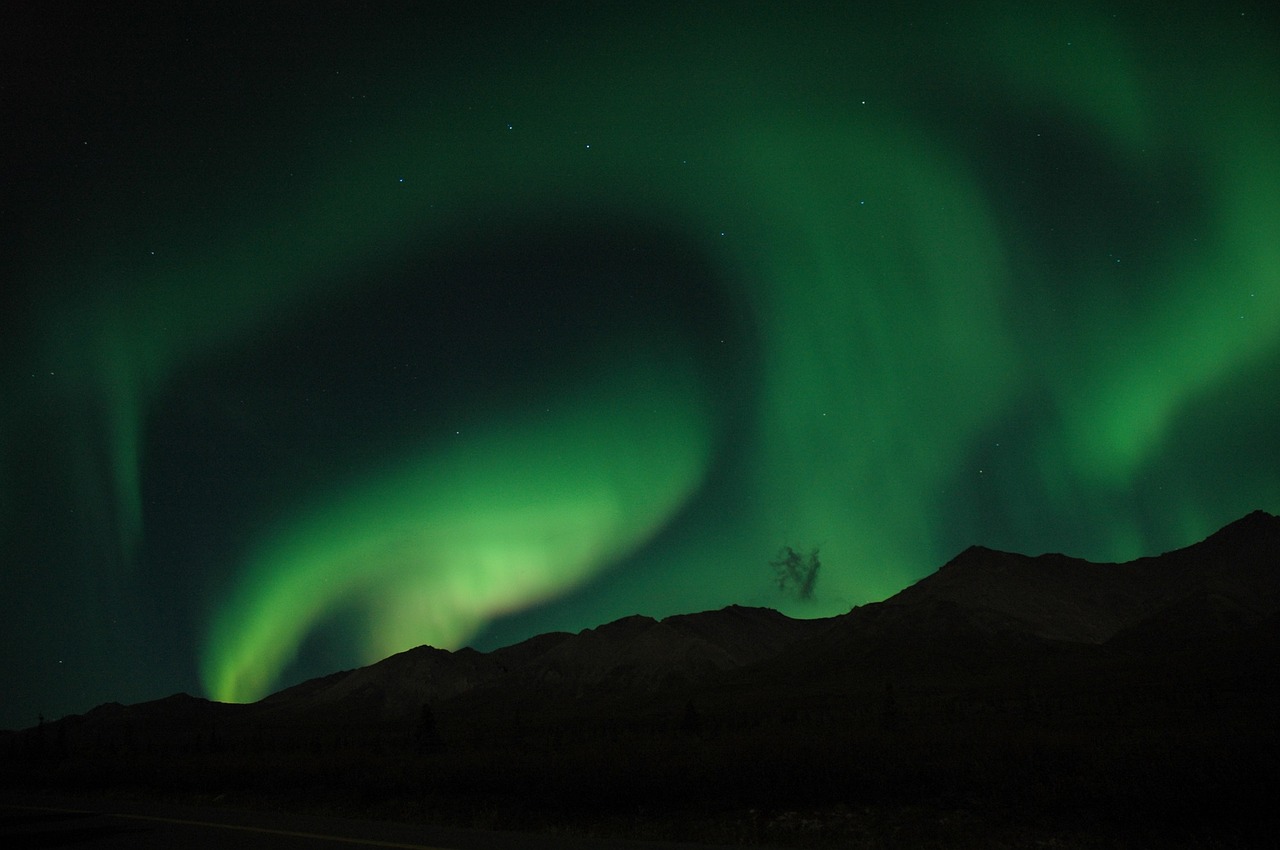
1074, 750
29, 821
1138, 760
1004, 701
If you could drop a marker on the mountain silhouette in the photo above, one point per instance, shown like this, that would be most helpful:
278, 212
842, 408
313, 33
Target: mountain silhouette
981, 606
970, 681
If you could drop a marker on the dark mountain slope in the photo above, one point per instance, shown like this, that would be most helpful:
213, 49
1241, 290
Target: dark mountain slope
981, 613
1136, 696
1060, 598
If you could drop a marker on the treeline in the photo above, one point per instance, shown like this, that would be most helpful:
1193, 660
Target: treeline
1110, 743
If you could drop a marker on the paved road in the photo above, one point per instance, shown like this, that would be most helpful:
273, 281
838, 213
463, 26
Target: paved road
28, 822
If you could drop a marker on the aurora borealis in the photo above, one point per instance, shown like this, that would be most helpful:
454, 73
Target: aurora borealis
338, 336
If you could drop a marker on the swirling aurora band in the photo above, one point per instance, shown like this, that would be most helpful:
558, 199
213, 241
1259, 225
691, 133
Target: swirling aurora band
1009, 278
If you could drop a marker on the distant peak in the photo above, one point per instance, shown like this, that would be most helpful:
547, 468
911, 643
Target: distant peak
973, 554
626, 625
1258, 523
737, 611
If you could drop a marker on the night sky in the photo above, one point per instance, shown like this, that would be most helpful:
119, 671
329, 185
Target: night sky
334, 331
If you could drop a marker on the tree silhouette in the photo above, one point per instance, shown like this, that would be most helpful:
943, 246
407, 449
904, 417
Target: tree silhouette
793, 570
426, 735
691, 723
890, 711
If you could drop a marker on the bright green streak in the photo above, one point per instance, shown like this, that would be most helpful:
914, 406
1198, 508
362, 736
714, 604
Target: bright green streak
1135, 374
456, 536
878, 264
883, 311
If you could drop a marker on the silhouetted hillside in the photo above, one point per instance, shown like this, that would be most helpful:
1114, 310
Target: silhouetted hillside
1144, 691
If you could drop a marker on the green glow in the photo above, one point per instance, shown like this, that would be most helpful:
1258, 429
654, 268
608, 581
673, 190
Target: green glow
1222, 308
867, 333
500, 520
922, 384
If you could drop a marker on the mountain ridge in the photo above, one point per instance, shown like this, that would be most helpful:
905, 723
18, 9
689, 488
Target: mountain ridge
983, 602
1064, 690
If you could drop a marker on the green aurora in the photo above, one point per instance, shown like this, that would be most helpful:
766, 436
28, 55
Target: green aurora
997, 275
